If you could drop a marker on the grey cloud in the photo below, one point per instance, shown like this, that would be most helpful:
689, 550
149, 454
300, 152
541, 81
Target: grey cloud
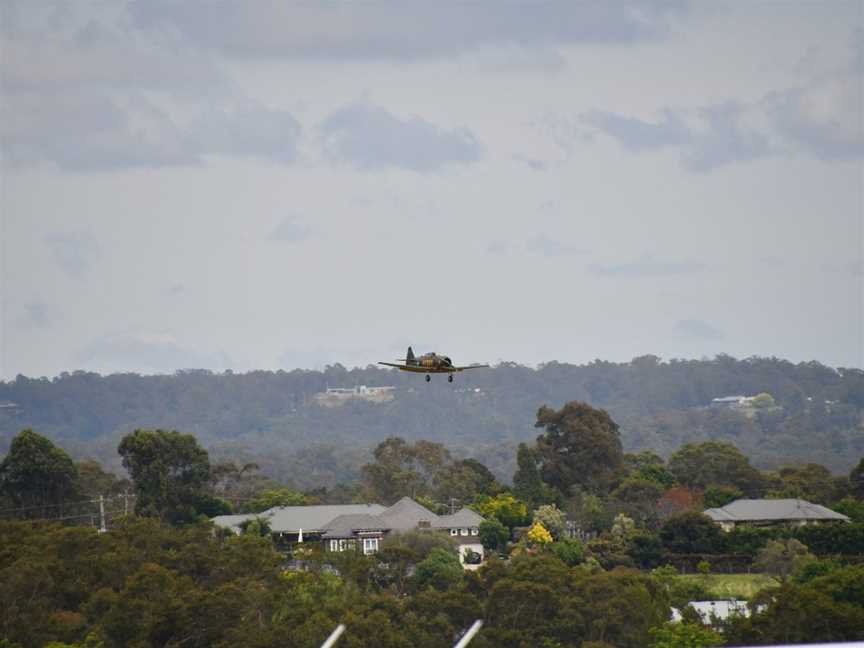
39, 315
550, 247
720, 140
79, 132
95, 132
724, 141
249, 131
74, 252
291, 231
400, 29
647, 266
532, 163
497, 247
821, 118
833, 134
850, 268
637, 135
147, 352
695, 328
370, 138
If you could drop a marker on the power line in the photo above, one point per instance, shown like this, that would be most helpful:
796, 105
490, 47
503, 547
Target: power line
124, 496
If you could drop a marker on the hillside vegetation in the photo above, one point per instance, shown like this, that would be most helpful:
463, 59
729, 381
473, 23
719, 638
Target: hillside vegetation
273, 418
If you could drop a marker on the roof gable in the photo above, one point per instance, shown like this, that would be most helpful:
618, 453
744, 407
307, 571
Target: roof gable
407, 514
764, 510
290, 519
462, 518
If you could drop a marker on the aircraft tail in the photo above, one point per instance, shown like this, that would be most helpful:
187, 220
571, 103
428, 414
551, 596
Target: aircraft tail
409, 357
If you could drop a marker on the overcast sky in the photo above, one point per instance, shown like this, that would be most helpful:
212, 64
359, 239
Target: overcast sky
263, 185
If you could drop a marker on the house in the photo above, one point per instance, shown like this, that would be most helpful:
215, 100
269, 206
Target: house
772, 512
361, 527
712, 612
336, 396
732, 402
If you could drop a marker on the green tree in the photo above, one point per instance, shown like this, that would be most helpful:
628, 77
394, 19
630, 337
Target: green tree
440, 570
699, 465
276, 497
580, 447
569, 551
856, 480
763, 400
466, 479
717, 496
528, 485
37, 475
691, 533
685, 635
781, 558
493, 535
169, 470
812, 482
93, 480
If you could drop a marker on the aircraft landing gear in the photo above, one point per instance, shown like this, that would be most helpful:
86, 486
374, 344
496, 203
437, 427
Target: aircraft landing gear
428, 378
450, 378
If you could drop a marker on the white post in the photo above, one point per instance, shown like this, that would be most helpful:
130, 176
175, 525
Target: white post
102, 528
468, 636
334, 636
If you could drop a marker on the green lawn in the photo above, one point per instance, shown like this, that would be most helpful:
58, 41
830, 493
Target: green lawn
739, 586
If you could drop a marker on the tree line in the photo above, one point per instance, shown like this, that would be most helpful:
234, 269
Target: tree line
272, 418
585, 545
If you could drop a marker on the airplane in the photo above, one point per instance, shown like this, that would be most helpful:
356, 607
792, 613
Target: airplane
430, 363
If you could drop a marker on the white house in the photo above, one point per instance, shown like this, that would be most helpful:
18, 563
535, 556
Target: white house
361, 527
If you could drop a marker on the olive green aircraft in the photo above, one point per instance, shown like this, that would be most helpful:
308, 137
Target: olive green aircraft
430, 363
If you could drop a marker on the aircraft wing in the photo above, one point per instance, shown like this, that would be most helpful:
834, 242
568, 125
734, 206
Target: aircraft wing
390, 364
474, 366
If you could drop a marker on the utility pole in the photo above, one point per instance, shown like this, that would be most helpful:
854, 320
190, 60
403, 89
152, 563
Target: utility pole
102, 528
125, 503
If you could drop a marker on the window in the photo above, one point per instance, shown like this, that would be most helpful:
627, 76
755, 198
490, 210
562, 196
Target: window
370, 545
454, 532
475, 531
463, 531
334, 545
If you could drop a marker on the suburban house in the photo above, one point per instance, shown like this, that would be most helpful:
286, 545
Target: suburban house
772, 512
340, 527
712, 612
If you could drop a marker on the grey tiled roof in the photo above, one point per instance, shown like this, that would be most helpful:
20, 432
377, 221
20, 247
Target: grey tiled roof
463, 518
340, 520
290, 519
765, 510
344, 526
405, 515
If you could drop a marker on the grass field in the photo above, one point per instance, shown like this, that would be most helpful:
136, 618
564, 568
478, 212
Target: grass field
739, 586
